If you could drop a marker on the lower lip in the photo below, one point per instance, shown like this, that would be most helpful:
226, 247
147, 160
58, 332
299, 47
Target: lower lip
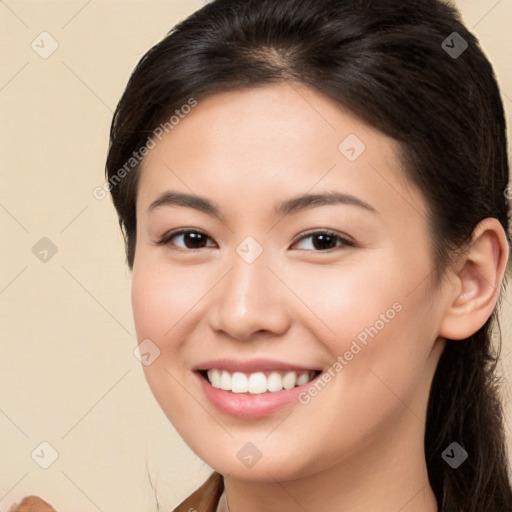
246, 405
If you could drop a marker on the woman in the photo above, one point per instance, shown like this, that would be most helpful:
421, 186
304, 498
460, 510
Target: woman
313, 198
246, 106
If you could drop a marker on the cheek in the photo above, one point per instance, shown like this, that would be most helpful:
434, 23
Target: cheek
376, 317
348, 298
162, 299
160, 303
169, 304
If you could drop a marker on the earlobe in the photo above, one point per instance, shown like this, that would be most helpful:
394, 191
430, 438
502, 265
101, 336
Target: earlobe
477, 282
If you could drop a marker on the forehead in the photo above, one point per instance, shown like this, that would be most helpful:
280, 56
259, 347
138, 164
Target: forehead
276, 140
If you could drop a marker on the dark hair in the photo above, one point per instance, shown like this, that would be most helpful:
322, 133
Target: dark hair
399, 67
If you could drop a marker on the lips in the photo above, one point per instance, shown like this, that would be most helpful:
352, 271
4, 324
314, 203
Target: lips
253, 388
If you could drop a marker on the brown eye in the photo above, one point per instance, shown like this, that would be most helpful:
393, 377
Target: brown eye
189, 239
325, 241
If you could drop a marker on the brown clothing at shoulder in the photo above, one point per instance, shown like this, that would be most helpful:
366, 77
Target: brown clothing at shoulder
205, 498
32, 504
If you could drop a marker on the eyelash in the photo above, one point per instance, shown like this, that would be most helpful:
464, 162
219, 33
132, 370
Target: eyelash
344, 242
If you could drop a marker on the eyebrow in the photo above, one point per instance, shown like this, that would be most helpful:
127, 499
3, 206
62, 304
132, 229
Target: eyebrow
288, 207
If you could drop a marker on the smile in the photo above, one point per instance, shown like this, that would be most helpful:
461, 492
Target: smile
258, 382
253, 388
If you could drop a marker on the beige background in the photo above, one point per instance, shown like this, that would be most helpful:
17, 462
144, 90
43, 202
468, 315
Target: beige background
68, 374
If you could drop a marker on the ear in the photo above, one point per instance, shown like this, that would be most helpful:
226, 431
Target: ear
476, 281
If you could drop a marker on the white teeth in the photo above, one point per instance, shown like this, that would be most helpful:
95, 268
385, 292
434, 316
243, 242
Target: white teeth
214, 377
274, 382
225, 381
289, 380
239, 383
257, 383
302, 379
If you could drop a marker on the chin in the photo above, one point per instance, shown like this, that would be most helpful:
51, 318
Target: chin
277, 466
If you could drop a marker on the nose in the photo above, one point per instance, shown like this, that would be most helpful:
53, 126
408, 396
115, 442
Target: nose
250, 301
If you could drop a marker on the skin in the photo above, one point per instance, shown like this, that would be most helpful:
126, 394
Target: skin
32, 504
358, 444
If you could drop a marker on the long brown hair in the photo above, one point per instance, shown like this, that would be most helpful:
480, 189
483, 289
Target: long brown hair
412, 70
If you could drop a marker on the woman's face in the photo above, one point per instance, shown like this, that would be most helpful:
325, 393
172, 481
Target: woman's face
256, 288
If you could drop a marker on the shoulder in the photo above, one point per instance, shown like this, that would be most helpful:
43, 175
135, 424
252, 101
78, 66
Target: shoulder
206, 497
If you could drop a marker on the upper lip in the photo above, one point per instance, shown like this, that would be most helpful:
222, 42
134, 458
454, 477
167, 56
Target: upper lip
251, 365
